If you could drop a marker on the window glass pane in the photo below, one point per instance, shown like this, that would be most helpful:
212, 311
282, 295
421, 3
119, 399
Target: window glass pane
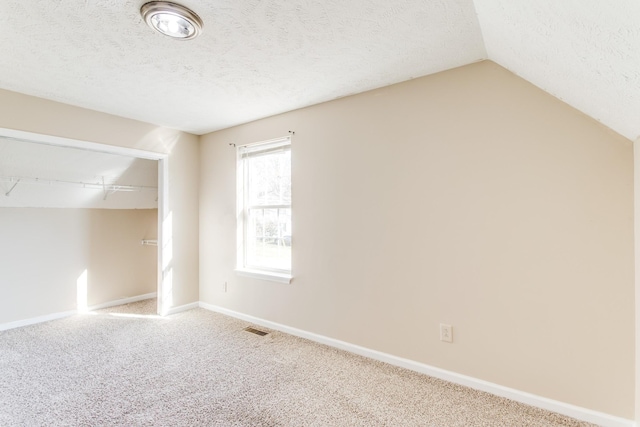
269, 179
265, 195
269, 238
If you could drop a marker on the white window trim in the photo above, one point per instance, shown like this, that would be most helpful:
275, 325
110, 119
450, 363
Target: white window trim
265, 275
255, 273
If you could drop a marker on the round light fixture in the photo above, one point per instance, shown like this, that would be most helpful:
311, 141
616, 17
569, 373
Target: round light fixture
171, 19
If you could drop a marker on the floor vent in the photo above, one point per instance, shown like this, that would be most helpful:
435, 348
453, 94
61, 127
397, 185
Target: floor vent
255, 331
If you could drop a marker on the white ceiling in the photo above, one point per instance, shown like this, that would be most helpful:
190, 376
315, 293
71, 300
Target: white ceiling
585, 52
254, 59
257, 58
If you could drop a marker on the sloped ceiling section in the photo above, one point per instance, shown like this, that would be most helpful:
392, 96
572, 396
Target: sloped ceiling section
45, 176
260, 58
585, 52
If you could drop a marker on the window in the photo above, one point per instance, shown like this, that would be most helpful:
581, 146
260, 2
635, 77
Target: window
264, 210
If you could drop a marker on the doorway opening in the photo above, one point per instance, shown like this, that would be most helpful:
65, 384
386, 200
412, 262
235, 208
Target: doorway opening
163, 285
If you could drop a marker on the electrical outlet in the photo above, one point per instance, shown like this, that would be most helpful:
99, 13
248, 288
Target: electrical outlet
446, 332
224, 287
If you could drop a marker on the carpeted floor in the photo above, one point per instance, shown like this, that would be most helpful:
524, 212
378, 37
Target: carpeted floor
126, 367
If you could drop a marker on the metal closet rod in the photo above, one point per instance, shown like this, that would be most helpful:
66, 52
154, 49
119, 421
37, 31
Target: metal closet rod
89, 185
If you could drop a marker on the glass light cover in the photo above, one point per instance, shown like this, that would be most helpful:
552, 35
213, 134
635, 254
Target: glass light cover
172, 25
171, 19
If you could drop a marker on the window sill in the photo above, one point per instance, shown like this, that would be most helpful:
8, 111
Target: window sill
265, 275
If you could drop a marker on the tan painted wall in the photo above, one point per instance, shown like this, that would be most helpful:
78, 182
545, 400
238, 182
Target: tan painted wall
636, 199
468, 197
45, 251
119, 265
36, 115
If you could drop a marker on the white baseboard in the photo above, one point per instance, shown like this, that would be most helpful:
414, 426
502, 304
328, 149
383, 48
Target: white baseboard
573, 411
60, 315
122, 301
182, 308
34, 320
569, 410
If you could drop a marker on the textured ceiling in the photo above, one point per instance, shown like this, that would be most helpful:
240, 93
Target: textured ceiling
254, 59
585, 52
257, 58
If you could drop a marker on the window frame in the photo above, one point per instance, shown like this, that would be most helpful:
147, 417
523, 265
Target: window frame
243, 152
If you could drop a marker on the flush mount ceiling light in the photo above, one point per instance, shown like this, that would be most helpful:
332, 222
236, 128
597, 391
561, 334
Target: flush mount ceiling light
171, 19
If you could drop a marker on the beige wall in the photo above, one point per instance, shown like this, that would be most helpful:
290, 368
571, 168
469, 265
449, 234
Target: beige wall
468, 197
29, 114
119, 265
45, 251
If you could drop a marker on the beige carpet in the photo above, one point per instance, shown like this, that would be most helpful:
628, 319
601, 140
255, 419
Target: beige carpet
126, 367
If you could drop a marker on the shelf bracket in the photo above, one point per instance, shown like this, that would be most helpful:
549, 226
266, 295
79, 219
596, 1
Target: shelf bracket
11, 189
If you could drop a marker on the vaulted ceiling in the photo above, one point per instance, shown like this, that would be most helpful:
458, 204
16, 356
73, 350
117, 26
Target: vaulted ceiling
258, 58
